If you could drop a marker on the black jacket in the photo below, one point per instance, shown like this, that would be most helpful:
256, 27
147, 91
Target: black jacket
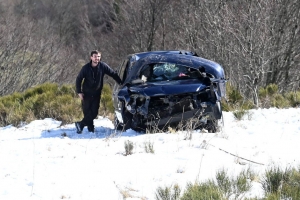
93, 82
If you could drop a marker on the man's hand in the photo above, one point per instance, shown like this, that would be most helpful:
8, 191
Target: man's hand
80, 95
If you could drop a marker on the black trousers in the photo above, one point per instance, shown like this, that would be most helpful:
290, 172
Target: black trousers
90, 106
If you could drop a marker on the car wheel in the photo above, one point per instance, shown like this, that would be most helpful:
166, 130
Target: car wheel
212, 126
127, 118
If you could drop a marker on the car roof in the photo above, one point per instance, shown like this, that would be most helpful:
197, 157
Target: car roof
145, 54
176, 56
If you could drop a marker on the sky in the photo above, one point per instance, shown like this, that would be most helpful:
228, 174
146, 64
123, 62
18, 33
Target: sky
46, 160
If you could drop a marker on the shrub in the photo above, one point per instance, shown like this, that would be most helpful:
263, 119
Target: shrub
293, 98
239, 114
40, 89
10, 100
247, 105
128, 147
274, 178
3, 114
241, 185
106, 100
67, 89
148, 146
270, 97
272, 89
52, 105
265, 95
269, 90
282, 184
277, 184
42, 101
202, 191
235, 100
291, 189
234, 96
237, 186
225, 105
168, 193
224, 182
12, 110
279, 101
47, 100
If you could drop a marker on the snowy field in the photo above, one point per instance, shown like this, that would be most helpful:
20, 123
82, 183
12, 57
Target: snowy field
43, 160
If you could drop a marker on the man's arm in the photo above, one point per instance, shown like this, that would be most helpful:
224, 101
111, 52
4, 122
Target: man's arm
109, 71
78, 83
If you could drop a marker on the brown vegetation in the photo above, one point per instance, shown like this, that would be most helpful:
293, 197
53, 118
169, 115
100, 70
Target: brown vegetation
257, 42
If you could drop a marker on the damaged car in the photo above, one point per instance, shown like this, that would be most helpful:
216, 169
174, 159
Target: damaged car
164, 89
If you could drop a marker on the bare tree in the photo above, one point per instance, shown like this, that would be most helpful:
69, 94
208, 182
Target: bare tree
31, 53
284, 46
139, 24
256, 41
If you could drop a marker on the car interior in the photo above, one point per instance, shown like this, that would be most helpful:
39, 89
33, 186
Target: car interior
167, 72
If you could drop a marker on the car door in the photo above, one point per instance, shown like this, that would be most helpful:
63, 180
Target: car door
122, 72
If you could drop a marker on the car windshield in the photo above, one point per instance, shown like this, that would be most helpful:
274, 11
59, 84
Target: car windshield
167, 72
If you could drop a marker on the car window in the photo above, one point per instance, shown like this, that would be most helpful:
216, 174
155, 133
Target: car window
170, 71
146, 73
167, 72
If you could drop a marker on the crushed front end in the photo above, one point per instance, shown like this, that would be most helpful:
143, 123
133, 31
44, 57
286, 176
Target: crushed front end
170, 109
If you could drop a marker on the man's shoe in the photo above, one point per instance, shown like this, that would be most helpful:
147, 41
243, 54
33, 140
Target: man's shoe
91, 129
78, 127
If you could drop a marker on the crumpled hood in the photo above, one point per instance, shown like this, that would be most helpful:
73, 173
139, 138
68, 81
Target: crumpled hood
168, 87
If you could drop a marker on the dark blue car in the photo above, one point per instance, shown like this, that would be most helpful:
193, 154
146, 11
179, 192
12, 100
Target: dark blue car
168, 88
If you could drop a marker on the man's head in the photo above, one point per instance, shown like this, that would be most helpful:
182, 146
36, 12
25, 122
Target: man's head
95, 57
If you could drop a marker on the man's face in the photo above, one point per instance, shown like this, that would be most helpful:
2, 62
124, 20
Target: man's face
96, 58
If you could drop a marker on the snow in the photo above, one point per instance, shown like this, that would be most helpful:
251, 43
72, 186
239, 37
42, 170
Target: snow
44, 160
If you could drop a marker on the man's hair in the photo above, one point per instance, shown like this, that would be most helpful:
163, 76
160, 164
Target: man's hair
95, 52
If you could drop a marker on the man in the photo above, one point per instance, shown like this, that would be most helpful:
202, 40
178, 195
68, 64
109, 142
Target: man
89, 91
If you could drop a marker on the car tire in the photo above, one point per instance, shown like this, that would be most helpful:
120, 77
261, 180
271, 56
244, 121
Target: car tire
127, 118
212, 126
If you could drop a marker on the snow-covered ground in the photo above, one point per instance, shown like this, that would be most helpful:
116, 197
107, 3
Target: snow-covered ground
43, 160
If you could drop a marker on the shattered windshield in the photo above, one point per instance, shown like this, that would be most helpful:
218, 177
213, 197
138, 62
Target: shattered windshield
167, 72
